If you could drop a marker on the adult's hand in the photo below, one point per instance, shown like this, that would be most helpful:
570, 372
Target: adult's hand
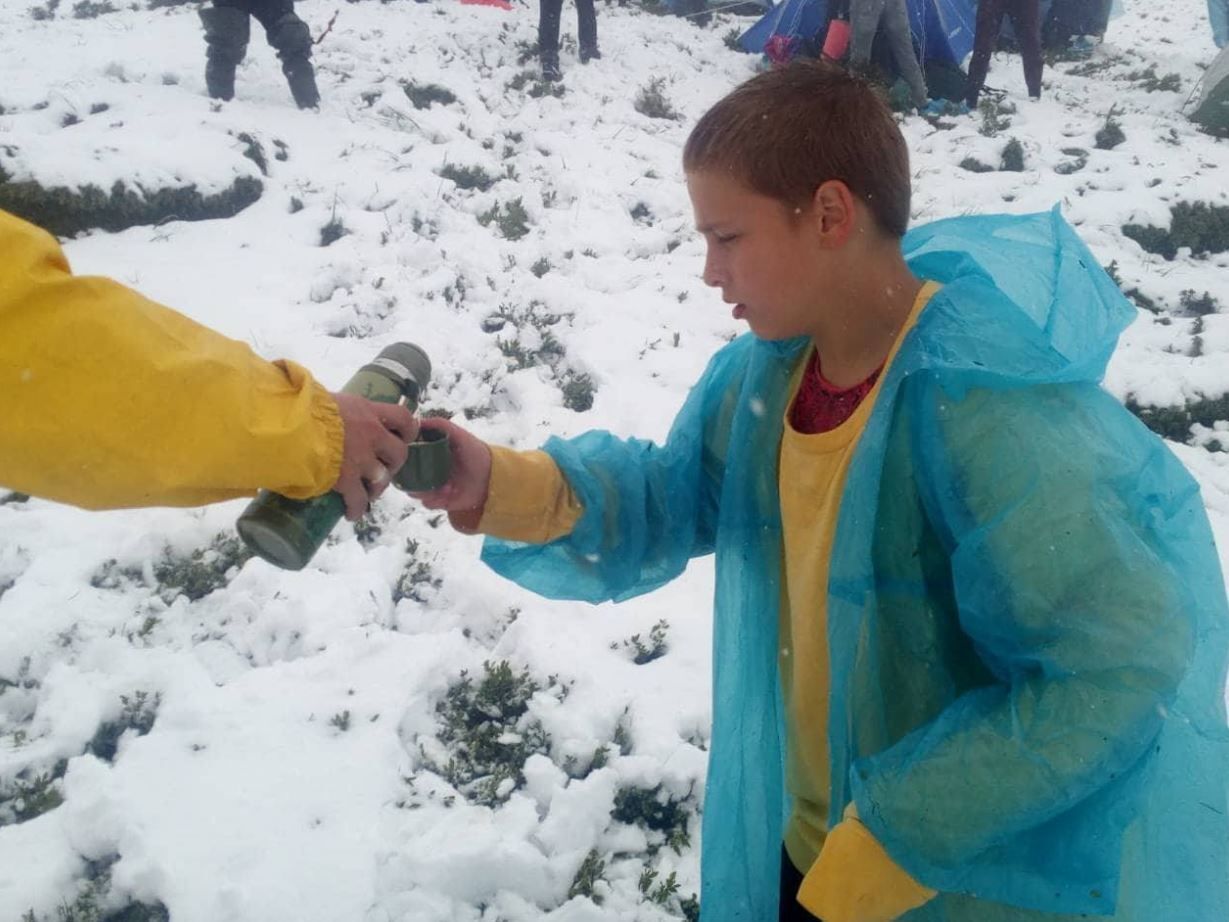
376, 436
464, 495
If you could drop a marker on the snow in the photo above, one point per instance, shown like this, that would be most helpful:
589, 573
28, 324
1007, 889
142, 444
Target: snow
285, 774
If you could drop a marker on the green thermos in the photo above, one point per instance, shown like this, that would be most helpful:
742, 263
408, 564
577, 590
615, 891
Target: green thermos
288, 532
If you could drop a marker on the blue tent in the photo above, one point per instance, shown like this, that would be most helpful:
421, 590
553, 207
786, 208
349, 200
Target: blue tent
797, 19
942, 29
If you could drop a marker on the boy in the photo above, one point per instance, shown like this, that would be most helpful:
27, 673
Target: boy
970, 623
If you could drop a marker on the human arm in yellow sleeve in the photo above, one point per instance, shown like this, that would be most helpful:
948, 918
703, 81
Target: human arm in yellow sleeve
515, 495
855, 880
110, 400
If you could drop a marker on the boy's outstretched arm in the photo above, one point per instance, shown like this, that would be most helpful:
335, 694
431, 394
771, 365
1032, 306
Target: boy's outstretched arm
515, 495
597, 517
1063, 586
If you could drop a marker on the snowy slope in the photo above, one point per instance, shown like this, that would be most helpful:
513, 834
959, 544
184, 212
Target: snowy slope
280, 730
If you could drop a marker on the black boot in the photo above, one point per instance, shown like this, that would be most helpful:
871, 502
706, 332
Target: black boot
220, 79
589, 53
293, 41
550, 67
226, 39
302, 79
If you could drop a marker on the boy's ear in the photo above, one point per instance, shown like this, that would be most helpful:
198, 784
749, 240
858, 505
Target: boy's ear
836, 216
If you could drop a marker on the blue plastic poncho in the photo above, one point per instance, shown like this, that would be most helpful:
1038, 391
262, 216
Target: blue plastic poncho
1027, 618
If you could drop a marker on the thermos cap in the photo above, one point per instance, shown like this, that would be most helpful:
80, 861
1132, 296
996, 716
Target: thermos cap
405, 360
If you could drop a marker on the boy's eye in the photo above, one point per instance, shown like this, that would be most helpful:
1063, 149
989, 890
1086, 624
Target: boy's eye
726, 238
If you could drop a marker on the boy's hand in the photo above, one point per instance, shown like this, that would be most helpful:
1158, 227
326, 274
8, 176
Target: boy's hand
375, 438
464, 495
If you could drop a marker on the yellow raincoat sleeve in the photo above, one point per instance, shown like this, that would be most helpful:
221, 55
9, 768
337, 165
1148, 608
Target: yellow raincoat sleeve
110, 400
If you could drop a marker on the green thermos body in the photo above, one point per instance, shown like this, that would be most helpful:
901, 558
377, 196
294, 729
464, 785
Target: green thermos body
288, 532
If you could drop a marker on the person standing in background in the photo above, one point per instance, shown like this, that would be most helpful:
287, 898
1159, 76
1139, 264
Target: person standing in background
866, 17
227, 30
549, 13
1026, 21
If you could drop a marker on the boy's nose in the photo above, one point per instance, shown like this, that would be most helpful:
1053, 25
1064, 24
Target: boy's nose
714, 275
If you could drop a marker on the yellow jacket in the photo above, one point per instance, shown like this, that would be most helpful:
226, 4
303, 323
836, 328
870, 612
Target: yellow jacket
110, 400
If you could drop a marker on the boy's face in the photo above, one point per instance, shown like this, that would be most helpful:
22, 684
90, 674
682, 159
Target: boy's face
768, 262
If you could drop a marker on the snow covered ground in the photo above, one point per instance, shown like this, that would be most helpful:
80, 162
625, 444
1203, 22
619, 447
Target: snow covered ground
235, 743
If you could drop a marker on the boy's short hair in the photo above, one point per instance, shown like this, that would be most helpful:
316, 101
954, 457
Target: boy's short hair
788, 130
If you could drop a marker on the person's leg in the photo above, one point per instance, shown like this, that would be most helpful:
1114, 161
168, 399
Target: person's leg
864, 16
1218, 17
227, 31
986, 36
791, 879
548, 37
586, 30
292, 39
1026, 21
900, 40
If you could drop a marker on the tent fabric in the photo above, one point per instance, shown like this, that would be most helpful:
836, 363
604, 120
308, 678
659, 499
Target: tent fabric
1027, 621
1212, 109
942, 29
797, 20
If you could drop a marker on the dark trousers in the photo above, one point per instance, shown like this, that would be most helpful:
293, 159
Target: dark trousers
265, 12
791, 880
549, 12
1026, 21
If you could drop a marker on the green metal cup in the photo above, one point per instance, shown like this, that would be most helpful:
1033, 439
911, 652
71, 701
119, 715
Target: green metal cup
288, 532
428, 464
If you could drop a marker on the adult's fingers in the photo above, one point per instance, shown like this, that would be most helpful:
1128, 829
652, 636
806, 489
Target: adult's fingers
355, 495
391, 451
397, 419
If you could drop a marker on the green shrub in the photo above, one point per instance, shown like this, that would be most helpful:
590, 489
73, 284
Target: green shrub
138, 713
203, 571
1175, 422
333, 231
651, 101
31, 794
1013, 157
469, 177
44, 12
1199, 306
973, 165
1110, 134
488, 733
88, 9
253, 150
655, 811
658, 891
511, 218
1075, 165
577, 390
65, 211
1151, 83
655, 648
994, 116
1202, 227
539, 88
423, 95
587, 876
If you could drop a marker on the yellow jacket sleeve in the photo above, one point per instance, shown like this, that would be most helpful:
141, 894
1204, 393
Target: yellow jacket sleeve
855, 880
109, 400
528, 499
